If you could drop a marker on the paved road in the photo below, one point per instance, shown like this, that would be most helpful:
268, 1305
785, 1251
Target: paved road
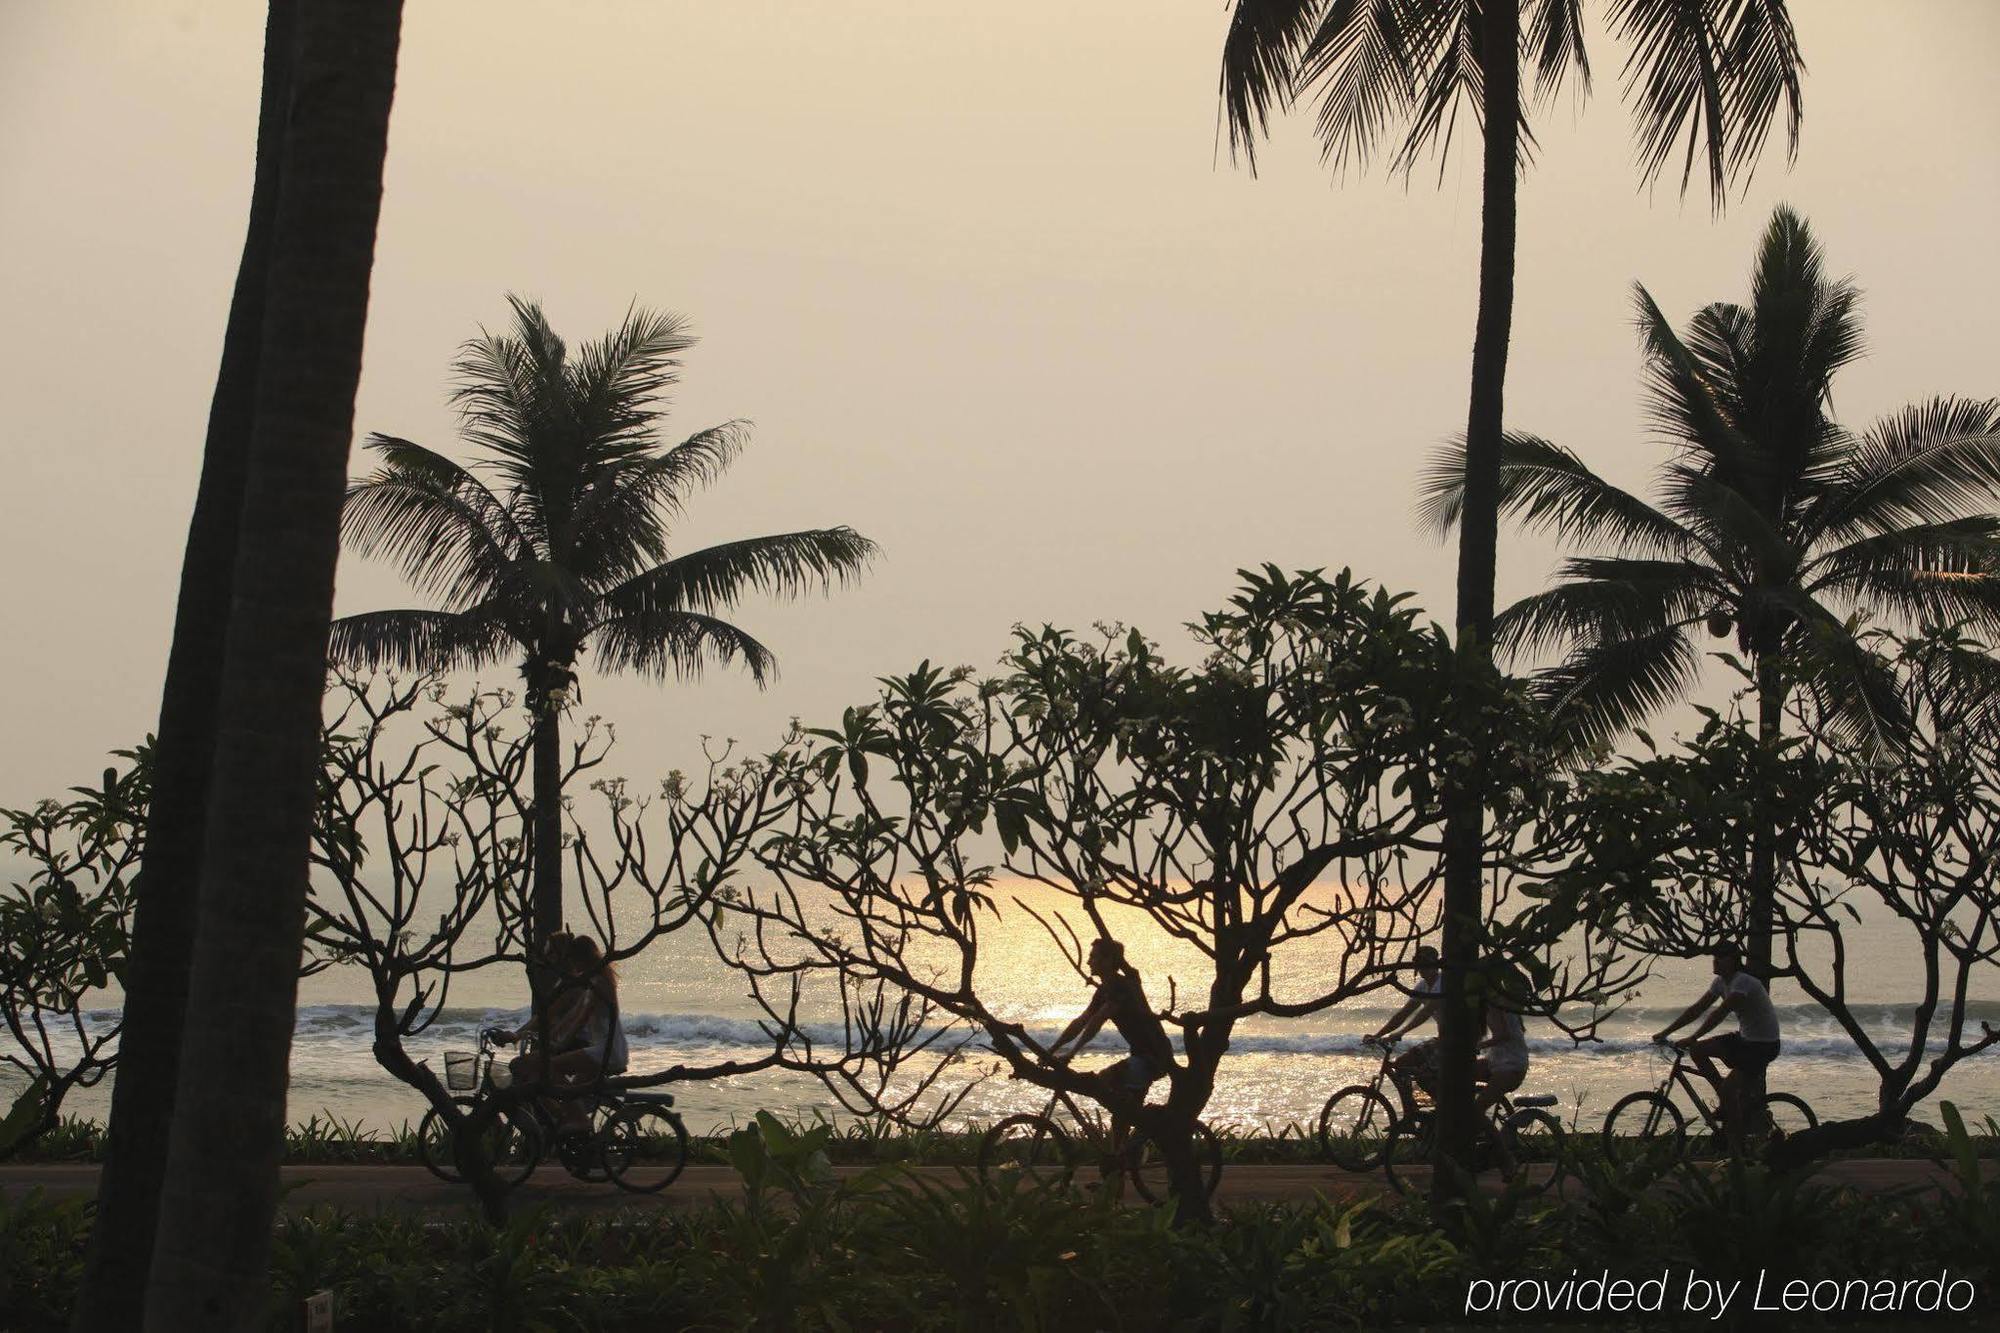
366, 1187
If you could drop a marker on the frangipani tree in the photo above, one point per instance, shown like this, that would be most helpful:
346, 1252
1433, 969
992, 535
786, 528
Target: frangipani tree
1279, 799
1887, 903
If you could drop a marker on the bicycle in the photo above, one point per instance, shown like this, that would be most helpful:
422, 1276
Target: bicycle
636, 1140
1505, 1142
1361, 1129
1641, 1119
1354, 1124
1036, 1144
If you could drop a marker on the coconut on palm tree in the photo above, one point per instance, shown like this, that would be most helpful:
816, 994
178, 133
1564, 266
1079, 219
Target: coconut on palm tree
554, 539
1710, 76
1773, 524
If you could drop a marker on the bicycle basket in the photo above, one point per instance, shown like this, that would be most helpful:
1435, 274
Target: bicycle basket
461, 1070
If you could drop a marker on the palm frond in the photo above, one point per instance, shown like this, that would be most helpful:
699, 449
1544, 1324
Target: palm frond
1806, 329
1602, 599
509, 387
1259, 59
1711, 76
1605, 688
658, 642
1928, 463
1931, 597
1852, 684
1362, 63
1550, 487
1445, 43
1552, 32
449, 534
717, 577
1691, 408
1739, 531
1956, 546
616, 385
420, 640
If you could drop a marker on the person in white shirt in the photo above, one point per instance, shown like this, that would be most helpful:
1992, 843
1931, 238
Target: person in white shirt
1420, 1061
1753, 1046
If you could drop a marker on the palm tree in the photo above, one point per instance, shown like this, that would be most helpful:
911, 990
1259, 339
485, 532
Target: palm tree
113, 1292
1774, 523
554, 539
1711, 73
219, 1199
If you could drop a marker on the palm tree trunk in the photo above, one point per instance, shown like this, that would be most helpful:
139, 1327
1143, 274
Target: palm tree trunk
1464, 900
1762, 923
548, 898
220, 1195
163, 922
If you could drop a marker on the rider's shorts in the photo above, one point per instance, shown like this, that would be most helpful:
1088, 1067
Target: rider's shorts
1739, 1052
1505, 1070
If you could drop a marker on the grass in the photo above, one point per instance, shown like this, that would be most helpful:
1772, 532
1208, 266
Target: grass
329, 1140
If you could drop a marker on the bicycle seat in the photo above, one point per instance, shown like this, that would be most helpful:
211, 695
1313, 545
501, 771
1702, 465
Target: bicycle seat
1544, 1099
667, 1098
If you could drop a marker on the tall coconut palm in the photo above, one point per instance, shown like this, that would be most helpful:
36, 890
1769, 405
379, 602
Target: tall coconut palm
1773, 523
219, 1199
1714, 73
554, 539
163, 927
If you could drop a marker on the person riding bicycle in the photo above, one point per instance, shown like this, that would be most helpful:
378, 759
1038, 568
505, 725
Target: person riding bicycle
1754, 1044
1419, 1063
1502, 1063
1120, 999
584, 1038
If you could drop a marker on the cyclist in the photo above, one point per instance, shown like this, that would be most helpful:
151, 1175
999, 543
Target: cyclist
1502, 1064
585, 1038
1753, 1046
1120, 999
1419, 1063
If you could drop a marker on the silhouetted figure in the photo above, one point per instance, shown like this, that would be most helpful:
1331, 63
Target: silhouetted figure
1749, 1049
1120, 999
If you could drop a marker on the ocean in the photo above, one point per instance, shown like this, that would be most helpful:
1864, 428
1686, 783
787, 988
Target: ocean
682, 1006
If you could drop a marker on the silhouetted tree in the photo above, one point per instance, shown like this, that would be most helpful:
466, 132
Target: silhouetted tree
419, 860
1773, 523
1712, 72
567, 549
1908, 849
220, 1194
1280, 798
163, 921
68, 928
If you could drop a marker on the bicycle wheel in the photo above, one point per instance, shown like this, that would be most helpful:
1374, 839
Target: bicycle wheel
1786, 1114
1407, 1153
1027, 1147
582, 1152
1354, 1128
512, 1146
1643, 1124
1533, 1137
1146, 1165
644, 1148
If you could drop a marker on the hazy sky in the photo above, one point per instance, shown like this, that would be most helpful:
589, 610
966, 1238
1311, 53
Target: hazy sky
975, 271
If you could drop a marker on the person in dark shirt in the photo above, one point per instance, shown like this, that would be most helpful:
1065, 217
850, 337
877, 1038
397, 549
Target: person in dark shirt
1120, 999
